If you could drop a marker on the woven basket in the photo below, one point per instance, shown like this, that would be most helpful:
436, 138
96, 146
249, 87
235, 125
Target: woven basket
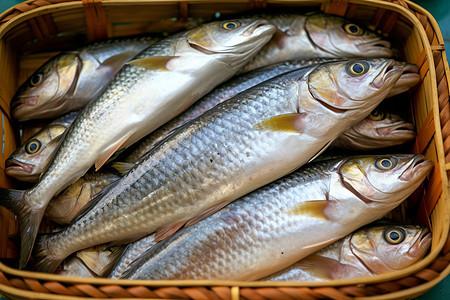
33, 31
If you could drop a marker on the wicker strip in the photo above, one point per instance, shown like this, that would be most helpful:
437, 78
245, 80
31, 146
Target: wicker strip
425, 134
434, 189
389, 24
90, 290
95, 19
337, 7
27, 6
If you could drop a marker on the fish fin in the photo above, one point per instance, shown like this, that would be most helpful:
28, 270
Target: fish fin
312, 208
104, 156
29, 220
95, 199
43, 261
207, 213
321, 151
153, 62
166, 231
287, 123
113, 257
122, 167
318, 266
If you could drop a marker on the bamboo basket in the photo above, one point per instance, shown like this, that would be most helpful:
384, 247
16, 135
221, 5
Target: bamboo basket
34, 30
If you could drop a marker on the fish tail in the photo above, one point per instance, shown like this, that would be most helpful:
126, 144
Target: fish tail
43, 260
29, 220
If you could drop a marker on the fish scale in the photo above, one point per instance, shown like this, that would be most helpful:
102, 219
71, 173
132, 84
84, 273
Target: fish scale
260, 232
134, 104
179, 185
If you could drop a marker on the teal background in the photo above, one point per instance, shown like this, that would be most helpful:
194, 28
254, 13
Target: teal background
440, 9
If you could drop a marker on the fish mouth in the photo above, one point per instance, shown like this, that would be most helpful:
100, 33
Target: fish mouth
422, 243
377, 48
403, 129
407, 80
417, 168
257, 25
13, 166
390, 70
32, 100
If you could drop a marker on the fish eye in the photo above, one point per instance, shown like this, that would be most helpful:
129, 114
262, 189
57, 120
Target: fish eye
36, 79
353, 29
231, 25
33, 146
394, 235
376, 115
357, 68
385, 163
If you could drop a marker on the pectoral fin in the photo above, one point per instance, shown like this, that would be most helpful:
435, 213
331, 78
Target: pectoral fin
153, 62
314, 208
166, 231
122, 167
103, 157
287, 123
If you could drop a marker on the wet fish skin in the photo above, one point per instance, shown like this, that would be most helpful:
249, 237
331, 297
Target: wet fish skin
218, 95
250, 79
68, 81
381, 129
366, 252
28, 161
318, 35
277, 225
209, 54
64, 207
226, 153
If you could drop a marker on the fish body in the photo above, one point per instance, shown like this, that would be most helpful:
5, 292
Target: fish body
318, 35
70, 80
369, 251
390, 129
155, 86
246, 142
28, 161
280, 223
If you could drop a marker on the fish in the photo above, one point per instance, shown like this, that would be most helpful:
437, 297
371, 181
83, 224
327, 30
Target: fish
29, 160
141, 97
71, 79
381, 129
242, 82
369, 251
285, 221
67, 205
240, 145
313, 35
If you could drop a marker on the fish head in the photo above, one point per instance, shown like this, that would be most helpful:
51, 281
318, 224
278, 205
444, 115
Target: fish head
45, 88
388, 248
409, 78
232, 40
382, 182
379, 130
28, 161
340, 37
355, 84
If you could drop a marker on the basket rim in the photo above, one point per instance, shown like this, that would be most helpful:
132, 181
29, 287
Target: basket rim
363, 280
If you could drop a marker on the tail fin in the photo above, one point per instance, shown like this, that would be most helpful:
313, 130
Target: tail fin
29, 220
43, 261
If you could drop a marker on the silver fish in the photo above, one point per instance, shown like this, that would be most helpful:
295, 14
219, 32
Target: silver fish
155, 86
402, 132
28, 161
369, 251
318, 35
246, 142
68, 81
380, 129
283, 222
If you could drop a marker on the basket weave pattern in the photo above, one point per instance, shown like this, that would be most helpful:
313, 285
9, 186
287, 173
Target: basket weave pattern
23, 284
